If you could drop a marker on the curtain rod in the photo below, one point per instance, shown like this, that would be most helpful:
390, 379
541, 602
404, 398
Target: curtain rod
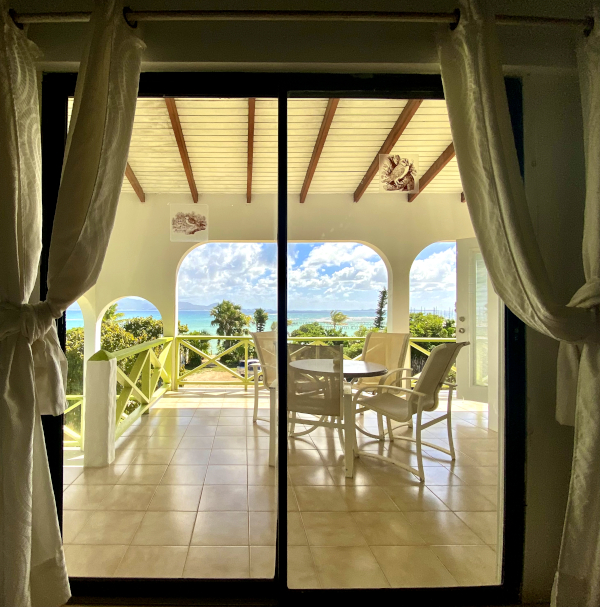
344, 16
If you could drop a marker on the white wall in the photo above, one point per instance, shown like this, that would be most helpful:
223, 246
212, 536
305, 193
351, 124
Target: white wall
142, 261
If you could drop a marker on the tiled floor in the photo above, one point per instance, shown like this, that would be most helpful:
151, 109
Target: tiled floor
190, 494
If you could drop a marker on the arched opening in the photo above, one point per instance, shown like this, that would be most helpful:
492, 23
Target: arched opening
75, 344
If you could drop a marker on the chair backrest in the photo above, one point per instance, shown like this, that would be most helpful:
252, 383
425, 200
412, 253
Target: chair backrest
435, 372
318, 388
387, 349
266, 348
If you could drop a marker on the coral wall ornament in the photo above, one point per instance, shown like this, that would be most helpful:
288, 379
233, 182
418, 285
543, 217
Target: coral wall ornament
188, 222
398, 173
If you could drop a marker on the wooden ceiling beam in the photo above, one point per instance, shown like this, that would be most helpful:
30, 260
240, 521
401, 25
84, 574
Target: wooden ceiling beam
319, 144
410, 109
445, 157
251, 115
176, 124
135, 184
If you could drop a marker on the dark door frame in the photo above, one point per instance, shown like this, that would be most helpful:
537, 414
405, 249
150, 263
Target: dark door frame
56, 89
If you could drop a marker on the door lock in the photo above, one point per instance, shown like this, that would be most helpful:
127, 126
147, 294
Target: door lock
461, 330
461, 318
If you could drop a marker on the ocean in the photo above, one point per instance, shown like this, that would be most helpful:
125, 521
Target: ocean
198, 320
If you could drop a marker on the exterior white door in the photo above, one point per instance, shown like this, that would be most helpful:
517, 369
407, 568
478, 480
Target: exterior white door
472, 321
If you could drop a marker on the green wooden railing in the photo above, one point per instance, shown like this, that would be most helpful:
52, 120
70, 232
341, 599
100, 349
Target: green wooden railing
72, 436
148, 379
182, 375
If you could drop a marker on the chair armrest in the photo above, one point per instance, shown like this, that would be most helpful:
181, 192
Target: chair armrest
450, 384
383, 378
378, 388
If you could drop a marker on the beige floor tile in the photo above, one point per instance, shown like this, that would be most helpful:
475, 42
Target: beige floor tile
226, 475
70, 473
257, 457
477, 475
331, 529
200, 430
109, 475
176, 498
415, 499
128, 497
163, 442
310, 475
484, 524
196, 442
228, 431
232, 421
221, 529
191, 457
184, 475
109, 527
230, 442
262, 498
490, 492
320, 499
85, 497
368, 499
412, 567
441, 528
257, 442
154, 456
301, 568
126, 456
348, 567
204, 421
73, 523
295, 530
387, 529
142, 474
177, 431
292, 501
360, 477
228, 456
463, 498
165, 529
217, 562
263, 528
262, 562
222, 498
262, 475
470, 565
304, 457
153, 562
93, 561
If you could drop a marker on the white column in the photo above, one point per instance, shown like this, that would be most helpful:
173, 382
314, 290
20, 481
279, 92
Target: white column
100, 411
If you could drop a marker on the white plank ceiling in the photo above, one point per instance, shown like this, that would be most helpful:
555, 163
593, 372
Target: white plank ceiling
216, 135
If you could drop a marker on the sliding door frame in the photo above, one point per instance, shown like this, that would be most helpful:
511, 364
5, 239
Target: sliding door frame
56, 89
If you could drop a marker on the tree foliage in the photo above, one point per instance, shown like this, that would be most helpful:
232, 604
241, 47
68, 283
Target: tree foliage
338, 318
289, 323
193, 359
230, 320
379, 322
428, 325
111, 314
260, 319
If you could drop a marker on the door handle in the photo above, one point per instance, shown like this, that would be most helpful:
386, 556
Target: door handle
461, 330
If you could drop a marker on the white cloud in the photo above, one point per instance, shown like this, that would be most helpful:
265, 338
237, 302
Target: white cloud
433, 281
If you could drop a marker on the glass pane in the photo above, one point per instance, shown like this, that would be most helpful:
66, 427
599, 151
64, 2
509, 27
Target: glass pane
189, 491
480, 345
371, 298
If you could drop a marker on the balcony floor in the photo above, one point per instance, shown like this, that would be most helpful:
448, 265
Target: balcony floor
190, 494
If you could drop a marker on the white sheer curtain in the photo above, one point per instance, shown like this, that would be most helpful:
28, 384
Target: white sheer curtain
32, 365
485, 151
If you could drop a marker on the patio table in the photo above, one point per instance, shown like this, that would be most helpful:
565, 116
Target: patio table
352, 369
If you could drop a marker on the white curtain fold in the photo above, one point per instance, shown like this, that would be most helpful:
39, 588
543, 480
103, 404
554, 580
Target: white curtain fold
32, 365
485, 150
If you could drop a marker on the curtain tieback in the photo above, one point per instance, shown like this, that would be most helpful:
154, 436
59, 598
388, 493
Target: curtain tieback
35, 322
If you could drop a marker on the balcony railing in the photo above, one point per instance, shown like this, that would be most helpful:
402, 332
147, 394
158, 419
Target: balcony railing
149, 373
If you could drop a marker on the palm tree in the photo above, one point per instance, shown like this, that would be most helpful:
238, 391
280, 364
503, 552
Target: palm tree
230, 321
338, 318
260, 319
274, 324
111, 314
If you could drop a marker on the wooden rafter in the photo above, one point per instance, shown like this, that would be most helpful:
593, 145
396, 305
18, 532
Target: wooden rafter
135, 184
251, 114
445, 157
411, 107
176, 124
319, 144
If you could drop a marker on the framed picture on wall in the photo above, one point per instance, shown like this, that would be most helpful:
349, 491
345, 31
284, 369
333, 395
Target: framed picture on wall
188, 222
398, 173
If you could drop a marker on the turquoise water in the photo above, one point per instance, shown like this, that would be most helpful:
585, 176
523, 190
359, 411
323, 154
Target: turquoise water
198, 320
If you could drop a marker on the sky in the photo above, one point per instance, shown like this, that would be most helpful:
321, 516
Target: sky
322, 276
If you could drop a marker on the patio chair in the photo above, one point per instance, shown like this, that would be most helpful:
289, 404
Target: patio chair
389, 350
319, 394
266, 349
401, 404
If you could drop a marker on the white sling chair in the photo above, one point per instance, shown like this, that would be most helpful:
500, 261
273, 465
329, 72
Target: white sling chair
319, 393
400, 404
389, 350
266, 349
